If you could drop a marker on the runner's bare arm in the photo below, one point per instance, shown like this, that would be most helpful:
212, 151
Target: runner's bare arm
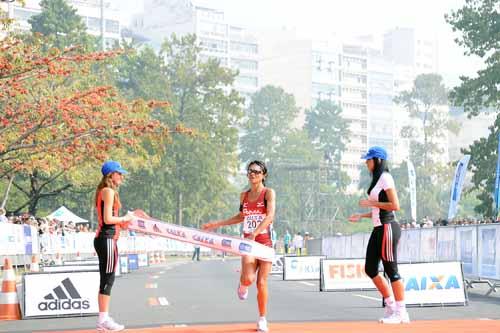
108, 197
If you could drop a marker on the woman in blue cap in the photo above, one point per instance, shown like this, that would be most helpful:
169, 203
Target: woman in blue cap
383, 243
105, 242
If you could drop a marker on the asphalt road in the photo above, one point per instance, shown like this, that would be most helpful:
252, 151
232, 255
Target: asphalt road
190, 293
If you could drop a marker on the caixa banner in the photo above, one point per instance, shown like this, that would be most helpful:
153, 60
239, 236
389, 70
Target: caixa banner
301, 267
61, 294
439, 283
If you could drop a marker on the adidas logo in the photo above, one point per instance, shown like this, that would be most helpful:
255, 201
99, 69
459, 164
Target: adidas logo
67, 298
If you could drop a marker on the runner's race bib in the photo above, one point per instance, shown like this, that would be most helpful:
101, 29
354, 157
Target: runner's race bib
252, 222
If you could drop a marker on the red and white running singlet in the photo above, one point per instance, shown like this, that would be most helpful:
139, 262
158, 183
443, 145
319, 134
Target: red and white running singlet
254, 213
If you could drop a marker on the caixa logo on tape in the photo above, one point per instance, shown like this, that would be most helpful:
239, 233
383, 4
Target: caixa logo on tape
441, 282
141, 224
64, 297
245, 248
226, 242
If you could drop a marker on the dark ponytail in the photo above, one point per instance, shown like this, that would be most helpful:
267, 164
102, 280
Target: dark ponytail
380, 166
262, 166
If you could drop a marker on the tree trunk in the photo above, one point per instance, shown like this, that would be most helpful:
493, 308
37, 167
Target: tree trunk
6, 195
178, 209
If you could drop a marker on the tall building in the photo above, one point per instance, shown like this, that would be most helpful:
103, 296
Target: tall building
233, 46
89, 10
412, 48
381, 106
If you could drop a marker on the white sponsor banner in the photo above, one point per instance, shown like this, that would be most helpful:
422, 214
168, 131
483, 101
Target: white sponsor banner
11, 239
358, 248
60, 294
278, 263
242, 247
70, 268
428, 244
456, 187
467, 250
81, 262
433, 283
343, 275
302, 268
124, 264
412, 180
489, 263
142, 260
446, 244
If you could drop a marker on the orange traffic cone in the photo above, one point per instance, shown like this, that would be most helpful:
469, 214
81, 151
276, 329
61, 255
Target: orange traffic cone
151, 259
163, 258
34, 267
78, 257
9, 303
58, 260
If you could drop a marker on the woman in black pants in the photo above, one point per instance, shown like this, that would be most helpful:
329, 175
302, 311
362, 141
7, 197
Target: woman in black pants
106, 238
383, 243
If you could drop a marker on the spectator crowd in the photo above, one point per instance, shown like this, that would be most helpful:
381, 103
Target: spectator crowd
45, 225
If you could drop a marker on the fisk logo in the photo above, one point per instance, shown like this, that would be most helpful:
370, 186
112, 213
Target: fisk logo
62, 301
439, 282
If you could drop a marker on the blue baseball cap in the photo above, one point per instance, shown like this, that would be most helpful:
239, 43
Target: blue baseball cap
112, 166
375, 152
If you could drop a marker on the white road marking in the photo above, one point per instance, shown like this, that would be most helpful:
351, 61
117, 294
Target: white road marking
308, 283
163, 301
368, 297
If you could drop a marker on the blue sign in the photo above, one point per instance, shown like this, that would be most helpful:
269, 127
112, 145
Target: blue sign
133, 262
28, 241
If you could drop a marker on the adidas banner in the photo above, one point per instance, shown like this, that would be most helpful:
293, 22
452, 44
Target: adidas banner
61, 294
144, 224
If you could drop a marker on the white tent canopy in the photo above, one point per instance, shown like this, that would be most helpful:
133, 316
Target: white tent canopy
65, 215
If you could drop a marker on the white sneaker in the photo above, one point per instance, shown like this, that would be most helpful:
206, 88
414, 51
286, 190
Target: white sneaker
388, 312
242, 292
110, 325
262, 325
398, 317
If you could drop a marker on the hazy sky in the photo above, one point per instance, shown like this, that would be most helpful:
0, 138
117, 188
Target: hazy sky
319, 19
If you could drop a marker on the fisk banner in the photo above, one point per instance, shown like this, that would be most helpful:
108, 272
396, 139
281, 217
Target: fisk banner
344, 275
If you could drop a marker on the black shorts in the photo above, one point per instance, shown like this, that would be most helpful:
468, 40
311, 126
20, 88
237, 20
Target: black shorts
383, 245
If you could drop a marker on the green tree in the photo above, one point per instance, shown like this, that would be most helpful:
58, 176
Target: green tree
483, 165
427, 106
61, 23
197, 168
268, 120
329, 133
478, 23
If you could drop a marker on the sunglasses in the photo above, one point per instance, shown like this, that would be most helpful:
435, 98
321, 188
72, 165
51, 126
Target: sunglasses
254, 172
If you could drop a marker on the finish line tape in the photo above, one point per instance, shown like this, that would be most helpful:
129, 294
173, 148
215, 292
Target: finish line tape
243, 247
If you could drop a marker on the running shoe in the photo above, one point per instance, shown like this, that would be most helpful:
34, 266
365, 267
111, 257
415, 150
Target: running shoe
262, 325
388, 312
242, 292
109, 325
398, 317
